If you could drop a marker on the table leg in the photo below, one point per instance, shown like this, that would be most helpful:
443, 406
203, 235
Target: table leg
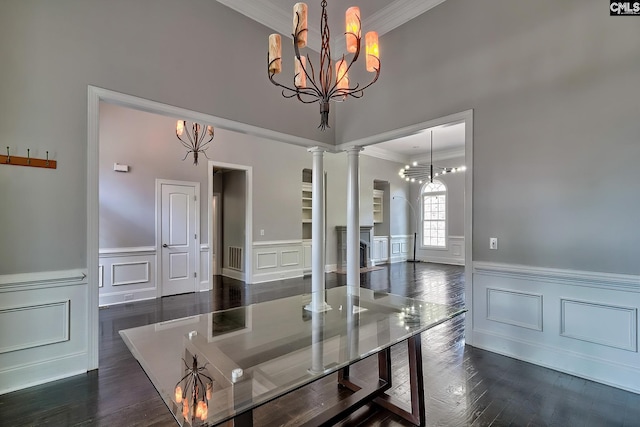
417, 414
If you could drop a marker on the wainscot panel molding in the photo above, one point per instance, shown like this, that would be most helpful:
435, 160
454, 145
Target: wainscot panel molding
452, 254
48, 335
278, 259
399, 248
579, 322
127, 274
205, 275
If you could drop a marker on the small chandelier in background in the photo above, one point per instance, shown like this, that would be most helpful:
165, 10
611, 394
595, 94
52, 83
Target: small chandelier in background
327, 86
195, 138
423, 173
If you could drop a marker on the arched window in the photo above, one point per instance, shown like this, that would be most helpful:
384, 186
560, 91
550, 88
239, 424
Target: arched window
434, 215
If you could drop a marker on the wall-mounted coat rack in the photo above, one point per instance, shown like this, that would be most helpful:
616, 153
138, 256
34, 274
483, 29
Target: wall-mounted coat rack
9, 159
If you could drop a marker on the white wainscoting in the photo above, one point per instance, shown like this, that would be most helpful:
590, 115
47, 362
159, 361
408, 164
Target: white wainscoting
399, 248
452, 254
277, 260
205, 274
127, 274
578, 322
47, 337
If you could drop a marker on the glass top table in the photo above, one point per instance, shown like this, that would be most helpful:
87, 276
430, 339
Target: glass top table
238, 359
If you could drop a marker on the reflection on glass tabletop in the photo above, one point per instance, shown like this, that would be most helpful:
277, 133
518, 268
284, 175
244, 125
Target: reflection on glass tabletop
212, 367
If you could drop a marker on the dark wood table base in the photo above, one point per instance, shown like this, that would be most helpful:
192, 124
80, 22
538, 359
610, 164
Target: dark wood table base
372, 393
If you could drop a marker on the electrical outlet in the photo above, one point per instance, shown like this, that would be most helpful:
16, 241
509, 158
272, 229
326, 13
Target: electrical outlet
493, 243
262, 232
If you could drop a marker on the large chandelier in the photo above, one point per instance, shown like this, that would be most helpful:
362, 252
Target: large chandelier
421, 173
326, 86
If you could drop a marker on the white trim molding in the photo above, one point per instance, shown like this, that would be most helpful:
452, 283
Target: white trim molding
580, 322
623, 282
44, 279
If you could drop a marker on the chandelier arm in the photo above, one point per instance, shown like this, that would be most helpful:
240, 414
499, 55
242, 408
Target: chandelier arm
311, 78
294, 92
326, 71
189, 137
204, 147
297, 95
313, 73
357, 93
186, 145
187, 155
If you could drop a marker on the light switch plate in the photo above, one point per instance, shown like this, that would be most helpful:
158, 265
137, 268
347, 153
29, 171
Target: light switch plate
493, 243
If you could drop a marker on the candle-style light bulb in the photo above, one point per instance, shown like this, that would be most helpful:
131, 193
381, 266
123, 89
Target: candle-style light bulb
373, 51
342, 78
180, 127
178, 394
353, 30
300, 23
275, 53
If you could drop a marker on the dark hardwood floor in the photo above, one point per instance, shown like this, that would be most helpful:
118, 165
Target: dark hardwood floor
464, 386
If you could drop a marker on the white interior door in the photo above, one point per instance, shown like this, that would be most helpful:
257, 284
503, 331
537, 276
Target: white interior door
178, 238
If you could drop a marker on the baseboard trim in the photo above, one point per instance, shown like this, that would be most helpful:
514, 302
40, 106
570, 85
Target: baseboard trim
443, 260
617, 375
278, 275
115, 298
32, 374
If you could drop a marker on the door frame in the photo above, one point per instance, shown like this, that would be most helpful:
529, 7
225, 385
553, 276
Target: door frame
248, 218
159, 183
215, 242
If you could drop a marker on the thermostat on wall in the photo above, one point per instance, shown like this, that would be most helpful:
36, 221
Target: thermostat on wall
120, 168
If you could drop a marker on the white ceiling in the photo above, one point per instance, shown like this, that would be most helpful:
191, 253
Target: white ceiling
448, 142
377, 15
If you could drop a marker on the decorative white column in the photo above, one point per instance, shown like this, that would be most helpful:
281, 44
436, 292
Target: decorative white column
317, 233
353, 220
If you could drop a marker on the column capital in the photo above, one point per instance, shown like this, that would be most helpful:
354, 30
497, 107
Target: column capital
354, 149
316, 149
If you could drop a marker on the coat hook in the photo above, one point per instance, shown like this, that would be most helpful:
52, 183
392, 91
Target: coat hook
47, 158
28, 157
8, 156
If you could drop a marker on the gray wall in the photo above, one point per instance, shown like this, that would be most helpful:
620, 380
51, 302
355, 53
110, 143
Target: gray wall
554, 89
195, 54
148, 144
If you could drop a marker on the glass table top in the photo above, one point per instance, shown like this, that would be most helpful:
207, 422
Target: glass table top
243, 357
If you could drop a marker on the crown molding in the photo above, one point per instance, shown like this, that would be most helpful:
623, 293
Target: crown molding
398, 13
440, 155
383, 154
272, 17
395, 14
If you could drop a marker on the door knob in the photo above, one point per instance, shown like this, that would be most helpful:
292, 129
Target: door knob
165, 245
